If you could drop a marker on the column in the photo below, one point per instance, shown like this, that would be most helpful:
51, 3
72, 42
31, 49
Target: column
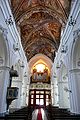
23, 95
74, 83
52, 94
27, 94
63, 94
55, 93
24, 90
4, 82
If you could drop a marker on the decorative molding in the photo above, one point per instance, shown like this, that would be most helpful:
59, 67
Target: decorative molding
54, 75
16, 79
64, 49
4, 68
60, 82
1, 60
78, 62
25, 75
76, 34
72, 21
67, 90
21, 64
59, 64
40, 86
74, 70
9, 21
3, 31
16, 46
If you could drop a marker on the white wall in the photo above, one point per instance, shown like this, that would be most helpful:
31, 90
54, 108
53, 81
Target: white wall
68, 40
54, 87
10, 37
4, 69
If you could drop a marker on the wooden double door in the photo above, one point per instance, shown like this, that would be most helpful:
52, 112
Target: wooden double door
39, 98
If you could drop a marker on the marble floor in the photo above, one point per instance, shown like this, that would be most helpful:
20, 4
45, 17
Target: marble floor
35, 112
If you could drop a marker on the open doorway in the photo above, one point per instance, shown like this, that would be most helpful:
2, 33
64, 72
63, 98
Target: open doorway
39, 98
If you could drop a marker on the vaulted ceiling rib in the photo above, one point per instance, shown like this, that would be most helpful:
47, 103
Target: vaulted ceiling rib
40, 23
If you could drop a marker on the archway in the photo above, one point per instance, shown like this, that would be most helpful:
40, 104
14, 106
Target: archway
4, 71
40, 89
74, 76
42, 57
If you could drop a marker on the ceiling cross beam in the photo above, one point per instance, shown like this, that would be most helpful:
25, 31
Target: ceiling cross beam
41, 8
64, 12
37, 28
51, 35
15, 11
48, 40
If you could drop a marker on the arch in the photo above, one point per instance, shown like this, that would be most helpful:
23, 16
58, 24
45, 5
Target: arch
74, 73
38, 7
41, 57
76, 54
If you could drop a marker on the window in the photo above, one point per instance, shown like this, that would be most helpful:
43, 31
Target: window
46, 96
37, 101
37, 96
37, 92
41, 101
41, 96
31, 101
32, 96
47, 102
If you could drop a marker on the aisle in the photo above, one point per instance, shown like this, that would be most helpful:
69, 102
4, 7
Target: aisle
39, 114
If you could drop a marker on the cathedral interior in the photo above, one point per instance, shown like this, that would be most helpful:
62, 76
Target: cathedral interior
39, 59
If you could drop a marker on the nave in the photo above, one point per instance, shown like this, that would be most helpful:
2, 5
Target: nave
39, 59
39, 114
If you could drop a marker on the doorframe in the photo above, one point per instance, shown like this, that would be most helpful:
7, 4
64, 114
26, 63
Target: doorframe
34, 98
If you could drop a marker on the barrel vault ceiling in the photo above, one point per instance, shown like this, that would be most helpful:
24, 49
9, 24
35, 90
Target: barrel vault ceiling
40, 23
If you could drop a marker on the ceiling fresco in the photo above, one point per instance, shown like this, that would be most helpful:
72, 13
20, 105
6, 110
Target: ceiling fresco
40, 23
